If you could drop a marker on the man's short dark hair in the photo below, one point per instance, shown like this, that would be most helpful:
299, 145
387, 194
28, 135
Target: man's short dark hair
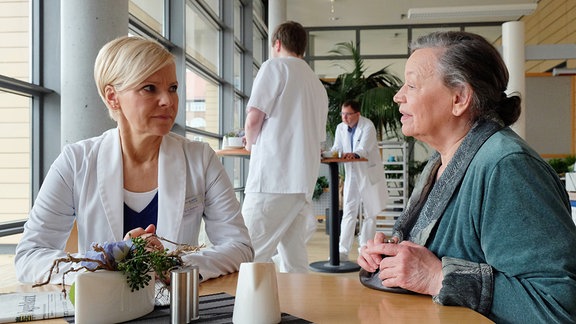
292, 36
355, 105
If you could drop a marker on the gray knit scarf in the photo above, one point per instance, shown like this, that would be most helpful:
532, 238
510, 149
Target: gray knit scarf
430, 198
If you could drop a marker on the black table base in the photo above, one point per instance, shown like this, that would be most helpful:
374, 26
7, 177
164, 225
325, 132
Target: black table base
334, 265
341, 267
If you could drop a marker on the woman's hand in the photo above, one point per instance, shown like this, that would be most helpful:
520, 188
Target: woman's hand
152, 242
368, 260
406, 265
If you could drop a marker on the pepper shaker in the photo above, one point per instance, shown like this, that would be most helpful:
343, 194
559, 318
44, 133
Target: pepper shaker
184, 299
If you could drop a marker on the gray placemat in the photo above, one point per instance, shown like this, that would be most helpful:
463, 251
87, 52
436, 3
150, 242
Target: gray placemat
214, 309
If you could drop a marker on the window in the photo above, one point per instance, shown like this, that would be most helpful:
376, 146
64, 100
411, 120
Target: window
322, 42
259, 42
204, 97
15, 189
383, 41
214, 5
238, 31
202, 40
15, 125
149, 12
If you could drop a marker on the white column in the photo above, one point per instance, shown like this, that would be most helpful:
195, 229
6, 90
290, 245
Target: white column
86, 25
514, 56
276, 16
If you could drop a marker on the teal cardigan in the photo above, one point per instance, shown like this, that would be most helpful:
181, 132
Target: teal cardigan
506, 238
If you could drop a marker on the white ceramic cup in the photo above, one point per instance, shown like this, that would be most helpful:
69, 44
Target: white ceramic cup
257, 299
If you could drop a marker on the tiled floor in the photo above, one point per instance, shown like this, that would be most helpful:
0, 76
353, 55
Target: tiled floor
318, 250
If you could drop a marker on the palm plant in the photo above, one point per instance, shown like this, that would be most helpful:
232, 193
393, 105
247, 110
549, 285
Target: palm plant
374, 92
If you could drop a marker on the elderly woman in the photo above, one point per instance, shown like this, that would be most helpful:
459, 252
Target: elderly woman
137, 179
488, 225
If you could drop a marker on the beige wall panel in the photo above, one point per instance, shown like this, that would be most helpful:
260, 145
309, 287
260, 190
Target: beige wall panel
550, 18
11, 100
14, 54
554, 22
14, 24
14, 115
13, 175
16, 145
12, 130
14, 190
14, 208
14, 160
14, 9
15, 39
547, 65
15, 70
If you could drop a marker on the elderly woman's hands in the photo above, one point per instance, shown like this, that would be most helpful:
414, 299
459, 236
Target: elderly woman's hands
406, 265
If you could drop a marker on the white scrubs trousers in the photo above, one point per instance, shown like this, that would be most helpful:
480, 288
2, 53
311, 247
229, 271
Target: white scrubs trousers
352, 203
280, 223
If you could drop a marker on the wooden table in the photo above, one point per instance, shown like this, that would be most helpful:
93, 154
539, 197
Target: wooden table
327, 298
334, 265
240, 152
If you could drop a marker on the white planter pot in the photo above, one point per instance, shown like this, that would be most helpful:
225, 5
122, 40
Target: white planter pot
235, 142
105, 297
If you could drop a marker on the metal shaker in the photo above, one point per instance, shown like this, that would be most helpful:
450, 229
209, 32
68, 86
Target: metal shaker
184, 283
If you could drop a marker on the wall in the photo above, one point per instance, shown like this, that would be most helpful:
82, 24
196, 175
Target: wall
550, 103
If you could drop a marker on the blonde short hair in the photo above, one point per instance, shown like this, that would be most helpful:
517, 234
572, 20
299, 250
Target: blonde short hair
127, 61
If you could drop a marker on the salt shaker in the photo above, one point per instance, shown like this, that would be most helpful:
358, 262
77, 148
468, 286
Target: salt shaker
184, 300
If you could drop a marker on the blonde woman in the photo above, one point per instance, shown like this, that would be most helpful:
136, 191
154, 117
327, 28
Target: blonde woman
136, 179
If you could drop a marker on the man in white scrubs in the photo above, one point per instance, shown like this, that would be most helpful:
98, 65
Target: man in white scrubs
364, 182
285, 125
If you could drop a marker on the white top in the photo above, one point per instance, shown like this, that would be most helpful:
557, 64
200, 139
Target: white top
137, 201
85, 184
286, 155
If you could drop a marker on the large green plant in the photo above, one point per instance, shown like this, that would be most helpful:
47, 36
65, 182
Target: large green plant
374, 92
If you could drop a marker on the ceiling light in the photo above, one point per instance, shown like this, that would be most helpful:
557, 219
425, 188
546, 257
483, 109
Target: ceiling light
472, 11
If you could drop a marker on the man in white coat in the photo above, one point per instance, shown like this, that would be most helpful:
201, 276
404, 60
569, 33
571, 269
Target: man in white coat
364, 182
285, 124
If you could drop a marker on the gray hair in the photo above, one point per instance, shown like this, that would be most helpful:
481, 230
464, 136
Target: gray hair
467, 58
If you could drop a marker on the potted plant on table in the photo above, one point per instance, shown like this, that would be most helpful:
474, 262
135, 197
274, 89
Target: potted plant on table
116, 281
234, 139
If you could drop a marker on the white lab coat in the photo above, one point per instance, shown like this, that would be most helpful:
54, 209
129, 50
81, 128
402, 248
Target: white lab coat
364, 182
85, 184
370, 174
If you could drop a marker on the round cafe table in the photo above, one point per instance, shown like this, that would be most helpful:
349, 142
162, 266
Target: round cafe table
334, 265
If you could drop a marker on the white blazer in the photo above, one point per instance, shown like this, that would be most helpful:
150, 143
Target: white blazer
370, 174
85, 184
